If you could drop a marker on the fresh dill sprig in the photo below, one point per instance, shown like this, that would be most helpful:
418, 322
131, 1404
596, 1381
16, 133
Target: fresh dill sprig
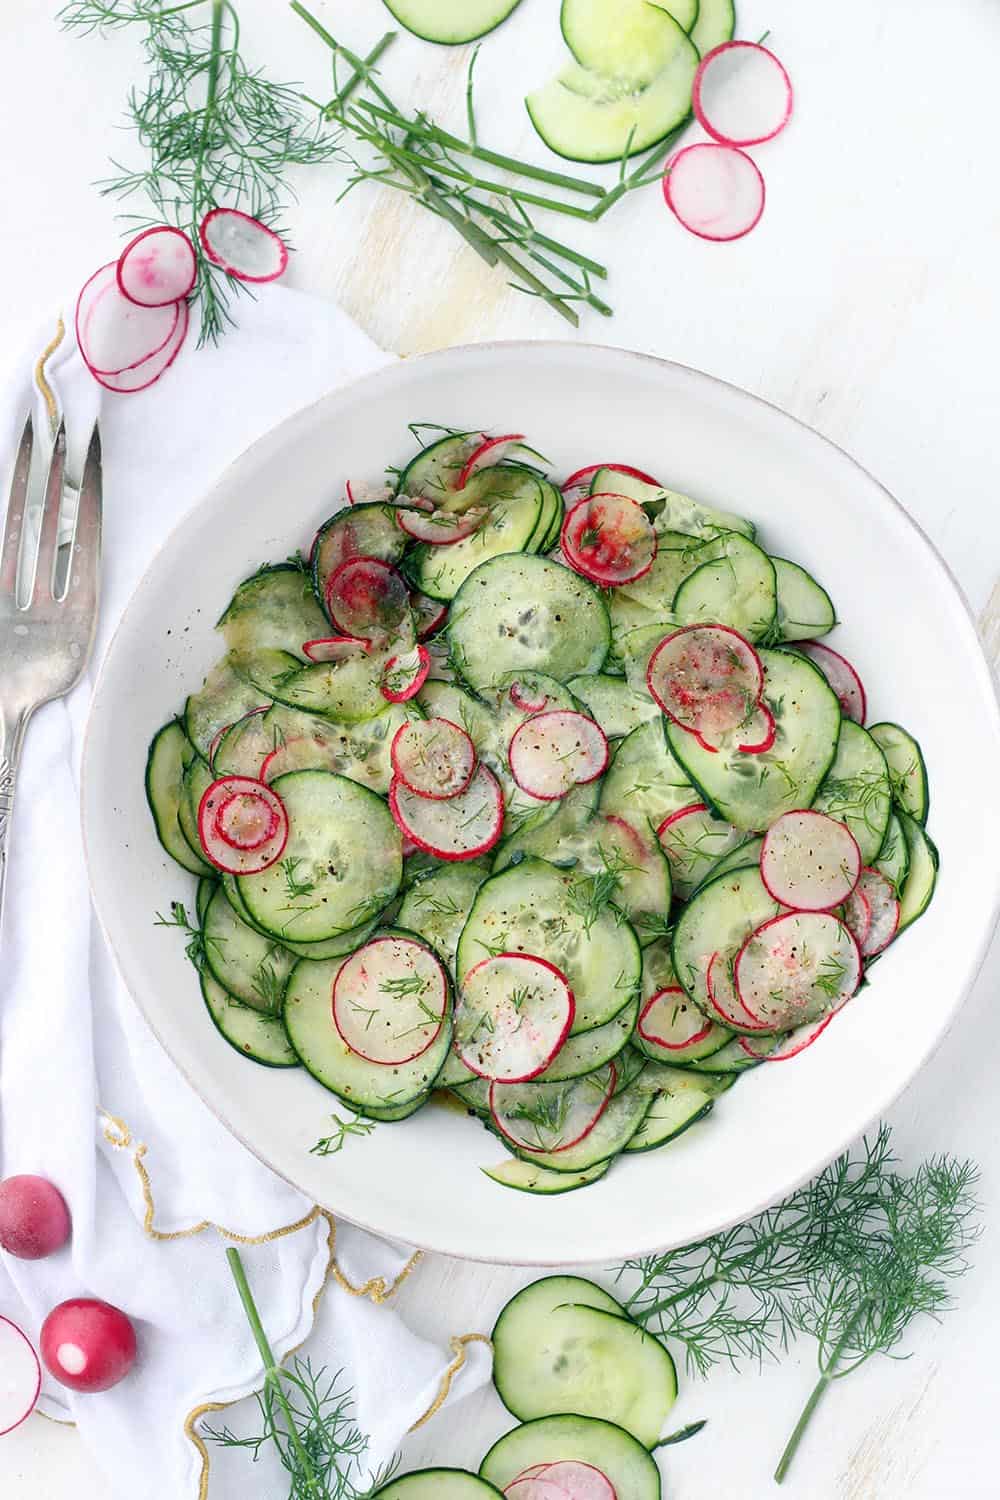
590, 895
293, 885
267, 984
195, 947
330, 1145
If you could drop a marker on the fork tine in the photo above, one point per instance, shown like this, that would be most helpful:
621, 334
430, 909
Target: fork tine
10, 547
85, 560
48, 540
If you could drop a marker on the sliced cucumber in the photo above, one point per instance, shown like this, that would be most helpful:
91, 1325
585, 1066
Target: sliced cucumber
747, 853
435, 472
446, 700
716, 24
438, 905
717, 920
243, 746
612, 703
360, 751
738, 589
671, 1113
451, 22
519, 512
170, 754
207, 886
548, 838
612, 1133
668, 1040
266, 669
525, 1177
694, 843
275, 608
253, 1034
590, 1050
348, 691
894, 856
733, 1059
907, 768
254, 969
856, 789
334, 947
918, 887
614, 850
625, 38
805, 609
672, 511
197, 779
224, 698
355, 531
615, 1452
646, 782
588, 117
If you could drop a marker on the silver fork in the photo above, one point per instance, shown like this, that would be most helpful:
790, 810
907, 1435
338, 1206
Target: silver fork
46, 641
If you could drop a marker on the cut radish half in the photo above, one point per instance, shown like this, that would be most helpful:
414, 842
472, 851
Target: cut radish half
842, 678
405, 674
459, 828
525, 700
389, 1000
883, 907
585, 475
670, 1020
809, 861
115, 335
716, 192
796, 968
157, 268
758, 733
609, 539
242, 246
242, 825
334, 648
433, 757
20, 1377
858, 916
551, 1116
440, 528
514, 1014
790, 1045
692, 839
723, 997
707, 678
495, 450
367, 598
428, 615
741, 94
580, 1481
130, 382
552, 752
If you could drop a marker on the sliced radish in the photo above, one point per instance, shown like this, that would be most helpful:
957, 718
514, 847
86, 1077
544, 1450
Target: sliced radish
130, 382
433, 757
157, 268
440, 528
723, 997
692, 839
883, 906
580, 1481
368, 492
670, 1020
741, 94
536, 1487
716, 192
367, 598
526, 701
609, 539
707, 678
790, 1045
514, 1014
858, 916
796, 968
115, 335
405, 674
87, 1344
758, 733
389, 1000
322, 749
551, 1116
242, 825
34, 1219
334, 648
428, 615
585, 475
20, 1377
242, 246
552, 752
842, 678
459, 828
809, 861
496, 450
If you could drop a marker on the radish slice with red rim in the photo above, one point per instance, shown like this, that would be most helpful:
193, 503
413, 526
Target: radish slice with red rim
320, 750
390, 999
130, 382
115, 335
723, 997
526, 701
552, 752
742, 95
459, 828
428, 615
796, 968
157, 268
707, 678
758, 733
367, 598
433, 758
717, 192
790, 1045
492, 450
551, 1117
858, 916
609, 539
841, 676
809, 861
334, 648
514, 1013
441, 528
368, 492
535, 1487
585, 475
883, 907
405, 674
242, 246
692, 839
20, 1377
671, 1020
580, 1481
242, 825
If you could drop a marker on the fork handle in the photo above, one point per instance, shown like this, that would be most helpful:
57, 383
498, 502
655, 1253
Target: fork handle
12, 727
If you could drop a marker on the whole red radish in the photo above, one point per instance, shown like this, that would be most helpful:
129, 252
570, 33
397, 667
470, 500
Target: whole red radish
34, 1219
87, 1344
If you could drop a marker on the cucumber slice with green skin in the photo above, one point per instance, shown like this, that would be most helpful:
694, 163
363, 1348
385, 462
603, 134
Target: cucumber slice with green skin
451, 22
583, 1054
330, 948
616, 849
354, 531
243, 746
436, 470
437, 906
207, 887
718, 919
694, 842
894, 856
564, 1344
274, 609
170, 754
628, 1066
615, 1452
734, 1059
805, 609
739, 589
856, 790
348, 691
677, 557
652, 1038
342, 864
612, 703
646, 782
907, 769
392, 1116
550, 519
446, 700
672, 511
518, 512
360, 751
669, 1116
308, 1017
254, 969
629, 39
632, 625
751, 791
224, 697
522, 614
197, 780
716, 24
260, 1037
918, 887
526, 909
266, 670
747, 853
547, 838
525, 1177
612, 1133
438, 1484
664, 1078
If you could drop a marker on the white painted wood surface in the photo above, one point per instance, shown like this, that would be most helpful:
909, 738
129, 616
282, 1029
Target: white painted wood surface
867, 304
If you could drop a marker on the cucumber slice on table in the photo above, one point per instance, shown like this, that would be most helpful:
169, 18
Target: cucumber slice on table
625, 38
170, 754
621, 1457
253, 1034
856, 789
451, 22
525, 1177
907, 769
438, 1484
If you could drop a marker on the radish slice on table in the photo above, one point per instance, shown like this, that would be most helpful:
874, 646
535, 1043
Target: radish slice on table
157, 268
692, 839
723, 997
334, 648
758, 733
514, 1014
842, 678
741, 94
242, 825
459, 828
525, 700
367, 598
790, 1045
87, 1344
796, 968
389, 1000
671, 1020
551, 1116
716, 192
433, 757
707, 678
405, 674
428, 614
580, 1481
553, 752
585, 475
609, 539
130, 382
883, 907
20, 1377
242, 246
440, 528
114, 334
34, 1219
809, 861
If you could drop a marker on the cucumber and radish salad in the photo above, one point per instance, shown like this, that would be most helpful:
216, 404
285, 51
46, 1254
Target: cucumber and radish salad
546, 791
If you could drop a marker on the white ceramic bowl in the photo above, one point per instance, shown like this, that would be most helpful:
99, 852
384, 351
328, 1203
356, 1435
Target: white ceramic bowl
905, 625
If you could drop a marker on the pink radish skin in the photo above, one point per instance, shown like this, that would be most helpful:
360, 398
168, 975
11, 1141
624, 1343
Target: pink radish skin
242, 246
365, 493
441, 528
114, 334
760, 733
538, 1488
335, 648
609, 539
583, 476
580, 1481
717, 192
883, 908
809, 861
158, 267
756, 74
581, 1127
367, 598
652, 1012
841, 676
217, 844
776, 972
87, 1344
790, 1045
20, 1377
858, 916
368, 1023
524, 702
433, 757
490, 451
245, 822
428, 614
552, 752
131, 382
724, 998
405, 674
694, 679
531, 1034
471, 825
34, 1219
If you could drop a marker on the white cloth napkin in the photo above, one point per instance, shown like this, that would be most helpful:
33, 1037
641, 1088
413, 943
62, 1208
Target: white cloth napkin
87, 1096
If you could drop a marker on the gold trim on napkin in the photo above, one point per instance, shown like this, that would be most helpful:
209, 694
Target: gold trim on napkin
459, 1345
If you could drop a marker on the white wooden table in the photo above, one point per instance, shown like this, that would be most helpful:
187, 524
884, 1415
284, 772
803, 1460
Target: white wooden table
867, 304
